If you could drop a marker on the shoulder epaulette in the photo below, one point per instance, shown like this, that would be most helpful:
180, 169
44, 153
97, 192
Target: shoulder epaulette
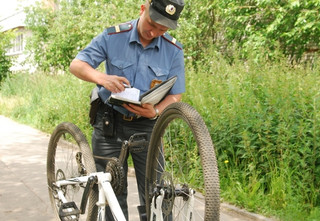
172, 40
119, 28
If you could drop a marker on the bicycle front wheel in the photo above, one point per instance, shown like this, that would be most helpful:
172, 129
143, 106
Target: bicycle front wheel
70, 156
181, 160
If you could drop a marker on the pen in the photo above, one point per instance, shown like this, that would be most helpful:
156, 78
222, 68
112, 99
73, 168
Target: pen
127, 86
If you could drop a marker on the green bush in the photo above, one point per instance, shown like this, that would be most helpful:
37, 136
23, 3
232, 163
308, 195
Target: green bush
291, 26
5, 61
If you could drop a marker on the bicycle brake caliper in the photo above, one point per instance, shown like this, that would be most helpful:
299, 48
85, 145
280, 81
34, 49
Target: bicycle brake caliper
156, 206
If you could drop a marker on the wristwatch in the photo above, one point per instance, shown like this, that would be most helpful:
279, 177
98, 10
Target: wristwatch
157, 113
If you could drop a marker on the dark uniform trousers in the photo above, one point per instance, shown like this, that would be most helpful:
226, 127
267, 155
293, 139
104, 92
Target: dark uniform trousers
111, 147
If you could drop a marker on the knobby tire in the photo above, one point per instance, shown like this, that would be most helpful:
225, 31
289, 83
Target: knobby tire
180, 142
65, 142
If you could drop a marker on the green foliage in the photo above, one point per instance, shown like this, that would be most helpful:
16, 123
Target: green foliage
197, 29
235, 28
293, 26
263, 118
5, 61
59, 35
264, 121
44, 101
39, 20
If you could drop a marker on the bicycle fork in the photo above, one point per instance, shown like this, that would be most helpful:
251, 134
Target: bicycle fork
156, 207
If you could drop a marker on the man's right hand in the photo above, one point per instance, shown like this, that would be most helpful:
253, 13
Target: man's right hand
114, 83
85, 72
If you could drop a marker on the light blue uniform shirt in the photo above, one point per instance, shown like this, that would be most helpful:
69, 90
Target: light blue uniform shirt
126, 57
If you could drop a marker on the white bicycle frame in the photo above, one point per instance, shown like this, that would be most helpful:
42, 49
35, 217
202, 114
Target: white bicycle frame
106, 193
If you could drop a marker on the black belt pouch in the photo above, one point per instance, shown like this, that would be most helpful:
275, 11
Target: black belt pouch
108, 121
108, 113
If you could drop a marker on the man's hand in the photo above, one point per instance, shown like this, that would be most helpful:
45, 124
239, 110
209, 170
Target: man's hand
146, 110
114, 83
85, 72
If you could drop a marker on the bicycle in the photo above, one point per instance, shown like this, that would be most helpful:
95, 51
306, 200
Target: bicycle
180, 143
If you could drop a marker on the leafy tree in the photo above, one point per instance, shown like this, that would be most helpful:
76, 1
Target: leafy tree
261, 28
5, 61
293, 26
197, 30
59, 35
39, 20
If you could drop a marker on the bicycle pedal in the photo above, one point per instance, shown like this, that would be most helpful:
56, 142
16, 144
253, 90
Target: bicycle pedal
69, 211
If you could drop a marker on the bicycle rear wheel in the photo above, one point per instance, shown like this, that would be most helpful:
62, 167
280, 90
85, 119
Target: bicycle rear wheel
69, 156
181, 158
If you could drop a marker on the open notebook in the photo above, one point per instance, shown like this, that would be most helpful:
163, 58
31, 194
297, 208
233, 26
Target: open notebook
152, 96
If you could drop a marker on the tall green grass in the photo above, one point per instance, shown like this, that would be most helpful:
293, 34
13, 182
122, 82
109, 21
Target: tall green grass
43, 101
263, 118
265, 122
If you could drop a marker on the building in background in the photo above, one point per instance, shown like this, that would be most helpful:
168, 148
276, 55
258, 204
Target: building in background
12, 17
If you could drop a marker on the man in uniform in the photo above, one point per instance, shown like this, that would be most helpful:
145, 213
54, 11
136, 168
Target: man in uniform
139, 53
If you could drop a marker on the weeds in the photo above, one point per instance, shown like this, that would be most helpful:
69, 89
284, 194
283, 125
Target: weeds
43, 101
263, 118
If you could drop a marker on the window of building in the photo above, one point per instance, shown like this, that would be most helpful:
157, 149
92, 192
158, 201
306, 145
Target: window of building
17, 45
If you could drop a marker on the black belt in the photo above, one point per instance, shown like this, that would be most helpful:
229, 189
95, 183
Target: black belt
130, 118
125, 117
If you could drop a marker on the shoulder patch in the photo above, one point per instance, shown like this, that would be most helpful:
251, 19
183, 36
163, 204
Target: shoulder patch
119, 28
172, 40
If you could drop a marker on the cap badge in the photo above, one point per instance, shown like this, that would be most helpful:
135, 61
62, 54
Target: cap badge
170, 9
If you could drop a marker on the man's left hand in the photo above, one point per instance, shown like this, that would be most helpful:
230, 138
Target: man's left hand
146, 110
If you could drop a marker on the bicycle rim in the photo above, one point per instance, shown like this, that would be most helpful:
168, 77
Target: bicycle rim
69, 156
181, 157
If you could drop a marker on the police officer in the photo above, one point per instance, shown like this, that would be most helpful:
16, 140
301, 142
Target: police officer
139, 53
